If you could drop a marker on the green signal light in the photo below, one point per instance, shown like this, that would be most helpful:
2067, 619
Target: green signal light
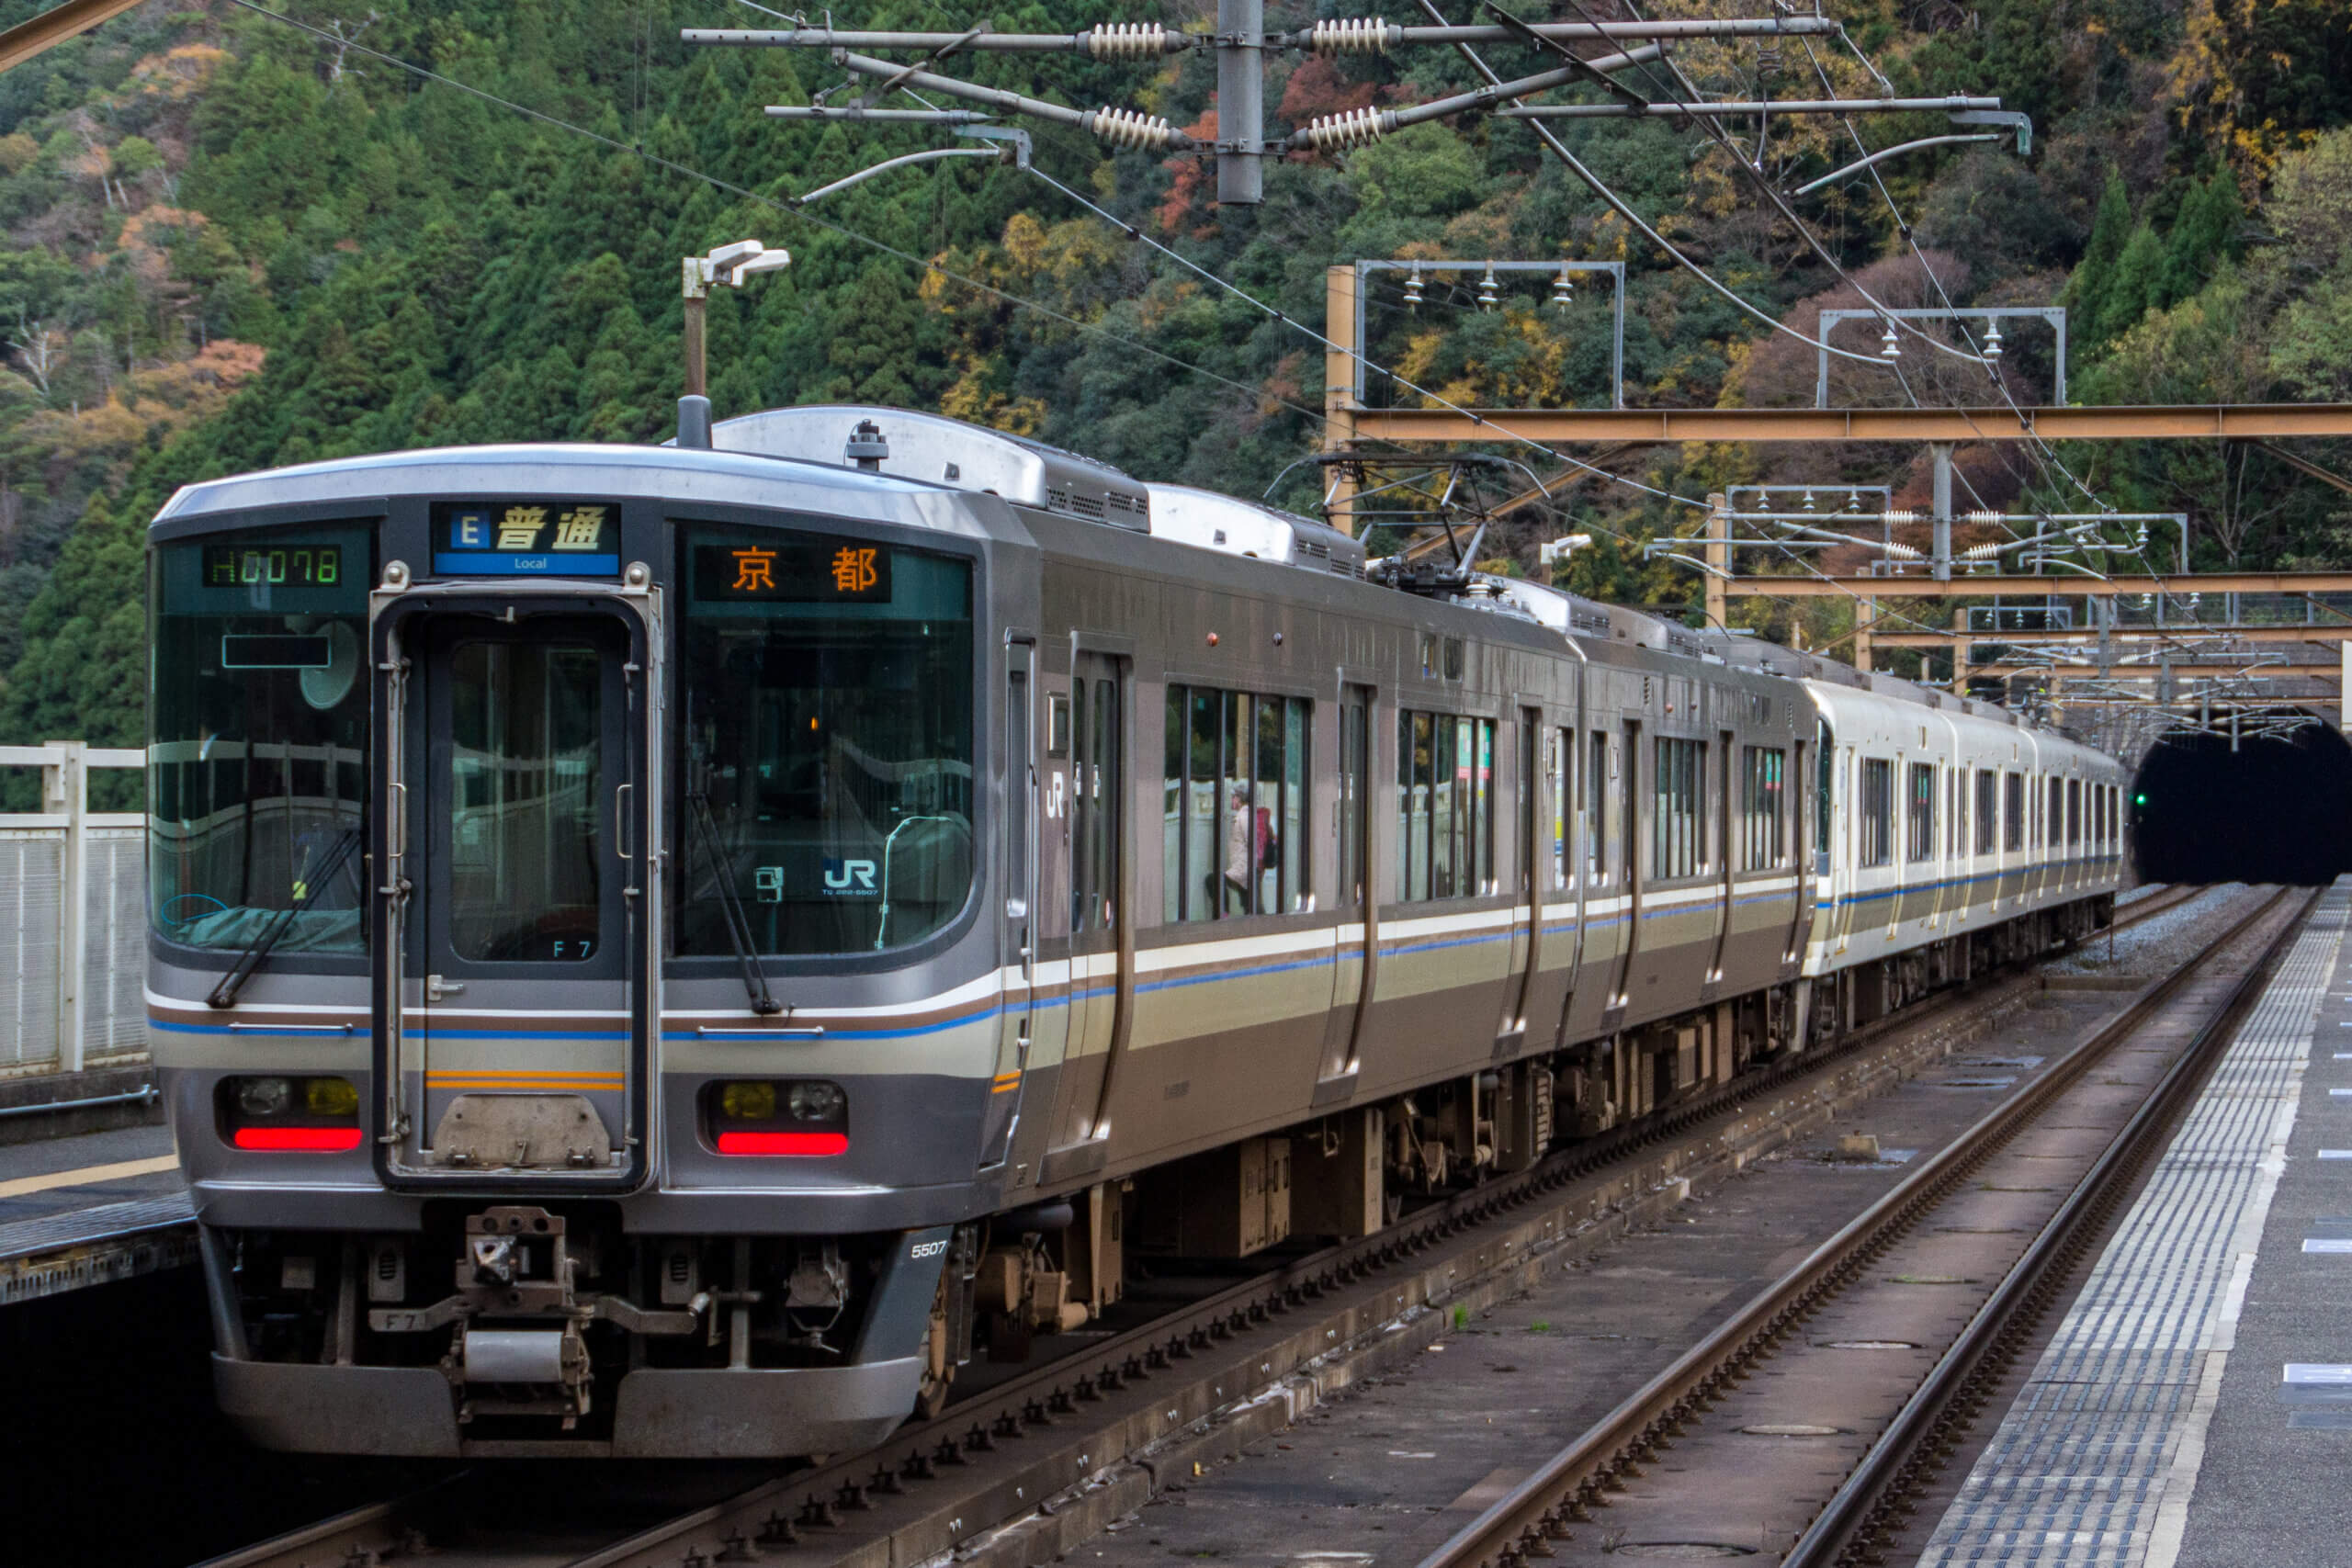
2139, 800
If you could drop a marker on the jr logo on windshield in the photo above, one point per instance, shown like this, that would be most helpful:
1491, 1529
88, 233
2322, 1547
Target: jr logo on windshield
849, 878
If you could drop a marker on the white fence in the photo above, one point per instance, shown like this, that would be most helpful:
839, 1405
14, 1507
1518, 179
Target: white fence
73, 919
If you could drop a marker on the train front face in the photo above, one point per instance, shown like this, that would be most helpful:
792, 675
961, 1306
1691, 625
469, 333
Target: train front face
568, 971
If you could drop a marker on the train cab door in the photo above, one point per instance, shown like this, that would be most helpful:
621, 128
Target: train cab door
1096, 827
522, 1055
1020, 838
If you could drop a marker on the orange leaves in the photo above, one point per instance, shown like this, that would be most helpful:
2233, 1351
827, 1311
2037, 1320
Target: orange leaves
1193, 177
179, 72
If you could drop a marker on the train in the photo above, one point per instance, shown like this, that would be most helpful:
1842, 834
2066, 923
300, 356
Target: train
672, 951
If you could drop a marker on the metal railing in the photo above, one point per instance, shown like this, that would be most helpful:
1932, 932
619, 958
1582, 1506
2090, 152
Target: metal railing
73, 919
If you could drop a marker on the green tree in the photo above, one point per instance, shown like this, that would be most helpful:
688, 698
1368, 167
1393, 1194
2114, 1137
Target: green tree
2204, 234
2094, 277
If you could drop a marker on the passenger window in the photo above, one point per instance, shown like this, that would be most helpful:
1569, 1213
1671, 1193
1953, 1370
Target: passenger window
1877, 811
1923, 811
1676, 825
1355, 792
1445, 805
1763, 822
1234, 839
1595, 789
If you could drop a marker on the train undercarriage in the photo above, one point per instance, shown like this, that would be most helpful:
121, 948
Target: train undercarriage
535, 1317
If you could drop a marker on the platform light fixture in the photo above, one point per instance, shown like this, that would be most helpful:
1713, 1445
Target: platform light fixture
725, 268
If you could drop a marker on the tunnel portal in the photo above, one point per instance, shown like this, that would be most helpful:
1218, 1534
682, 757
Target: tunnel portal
2276, 809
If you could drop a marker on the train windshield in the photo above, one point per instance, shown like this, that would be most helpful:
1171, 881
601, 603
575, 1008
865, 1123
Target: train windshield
828, 741
257, 760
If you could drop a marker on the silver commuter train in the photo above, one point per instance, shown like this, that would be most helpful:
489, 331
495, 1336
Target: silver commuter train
666, 950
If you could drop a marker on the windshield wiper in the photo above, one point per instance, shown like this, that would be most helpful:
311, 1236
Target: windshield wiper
257, 950
731, 904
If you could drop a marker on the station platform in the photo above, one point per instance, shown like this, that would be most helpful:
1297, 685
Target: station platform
90, 1210
2194, 1407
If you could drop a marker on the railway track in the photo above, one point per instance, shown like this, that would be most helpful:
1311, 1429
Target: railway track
1942, 1271
1138, 1401
2160, 898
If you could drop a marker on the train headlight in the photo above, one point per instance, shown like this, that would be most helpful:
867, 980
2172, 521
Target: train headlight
306, 1115
803, 1118
265, 1097
818, 1101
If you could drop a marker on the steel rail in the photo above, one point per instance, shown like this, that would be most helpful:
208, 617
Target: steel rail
1858, 1514
1011, 1408
1023, 1400
1519, 1525
2154, 904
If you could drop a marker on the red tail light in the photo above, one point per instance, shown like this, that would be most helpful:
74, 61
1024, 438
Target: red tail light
305, 1140
782, 1142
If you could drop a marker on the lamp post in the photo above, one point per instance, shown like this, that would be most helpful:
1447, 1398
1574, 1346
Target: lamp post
725, 268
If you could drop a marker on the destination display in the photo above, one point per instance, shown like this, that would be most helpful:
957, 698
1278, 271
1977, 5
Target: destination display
528, 538
795, 568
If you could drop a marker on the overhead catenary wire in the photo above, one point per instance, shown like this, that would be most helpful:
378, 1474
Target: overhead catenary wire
1755, 175
1602, 189
782, 206
1502, 431
2044, 454
785, 208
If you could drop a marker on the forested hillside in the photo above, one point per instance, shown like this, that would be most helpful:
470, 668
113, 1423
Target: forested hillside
227, 241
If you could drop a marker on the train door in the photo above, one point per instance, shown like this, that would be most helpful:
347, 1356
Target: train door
529, 906
1801, 838
1727, 851
1629, 839
1533, 869
1357, 943
1097, 904
1020, 968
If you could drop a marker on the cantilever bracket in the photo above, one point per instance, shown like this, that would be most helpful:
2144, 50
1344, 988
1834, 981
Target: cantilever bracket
2023, 123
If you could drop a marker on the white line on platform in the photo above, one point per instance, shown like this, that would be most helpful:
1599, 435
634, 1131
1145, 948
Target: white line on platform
88, 1174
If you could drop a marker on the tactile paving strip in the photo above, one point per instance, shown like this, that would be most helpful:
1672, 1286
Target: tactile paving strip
2077, 1474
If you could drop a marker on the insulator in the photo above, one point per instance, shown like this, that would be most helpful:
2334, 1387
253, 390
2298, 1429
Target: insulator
1902, 552
1898, 519
1985, 515
1127, 40
1351, 128
1352, 36
1130, 128
1981, 552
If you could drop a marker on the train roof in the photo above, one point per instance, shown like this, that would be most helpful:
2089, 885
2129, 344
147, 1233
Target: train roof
522, 467
933, 449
